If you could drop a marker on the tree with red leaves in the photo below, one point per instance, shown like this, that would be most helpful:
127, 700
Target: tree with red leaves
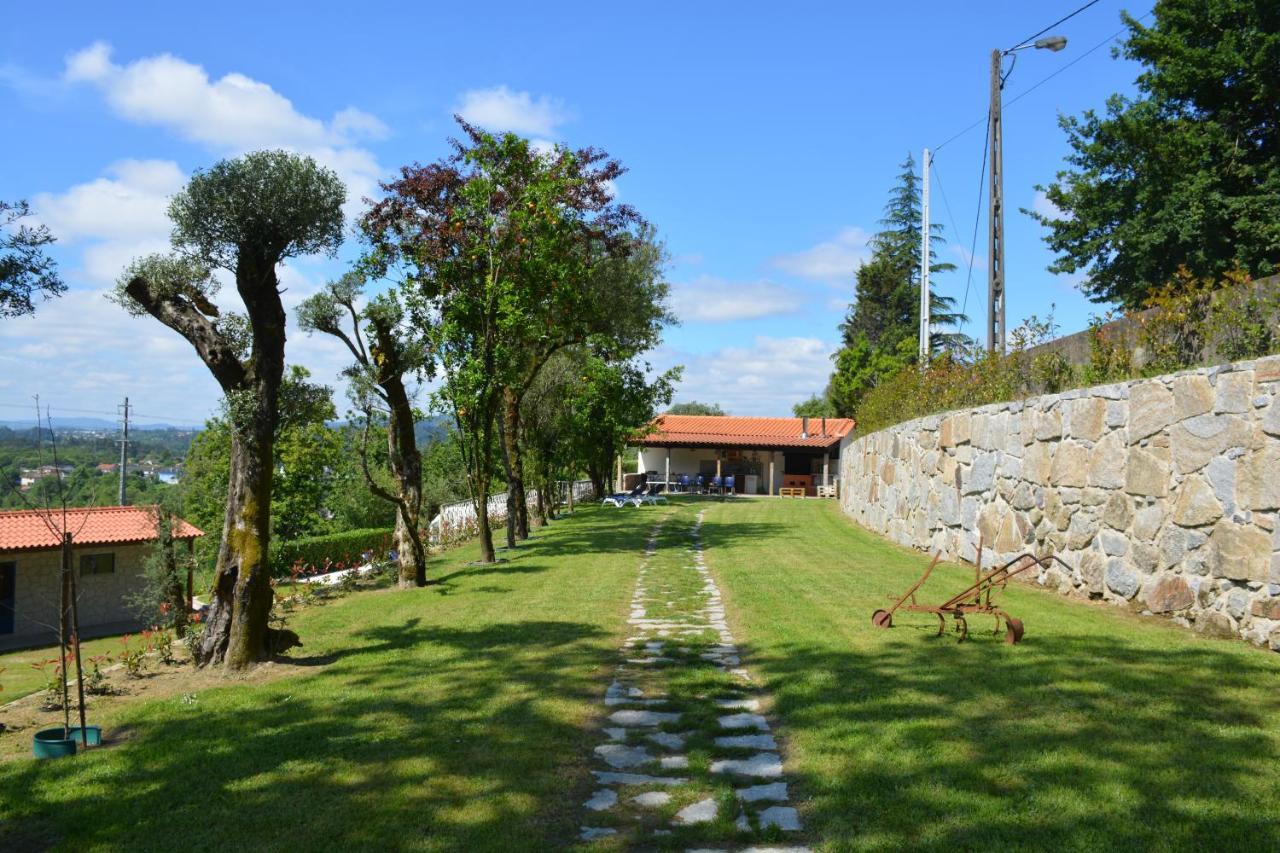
494, 246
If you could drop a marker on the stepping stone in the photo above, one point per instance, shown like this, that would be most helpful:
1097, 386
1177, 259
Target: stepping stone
590, 833
740, 721
667, 740
762, 764
605, 777
642, 718
776, 791
652, 799
627, 700
703, 811
742, 824
675, 762
601, 800
616, 733
649, 661
747, 742
744, 704
783, 817
622, 757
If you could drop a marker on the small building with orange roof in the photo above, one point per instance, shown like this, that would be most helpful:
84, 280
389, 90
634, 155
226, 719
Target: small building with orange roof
109, 546
763, 456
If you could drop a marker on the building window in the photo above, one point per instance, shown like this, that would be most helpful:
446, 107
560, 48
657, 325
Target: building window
97, 564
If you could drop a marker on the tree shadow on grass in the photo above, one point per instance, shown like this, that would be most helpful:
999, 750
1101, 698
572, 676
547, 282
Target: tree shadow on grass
1069, 743
425, 738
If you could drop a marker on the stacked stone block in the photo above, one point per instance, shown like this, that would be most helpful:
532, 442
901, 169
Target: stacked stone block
1161, 494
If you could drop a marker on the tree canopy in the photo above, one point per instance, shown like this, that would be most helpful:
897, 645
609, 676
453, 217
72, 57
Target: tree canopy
1188, 172
27, 273
693, 407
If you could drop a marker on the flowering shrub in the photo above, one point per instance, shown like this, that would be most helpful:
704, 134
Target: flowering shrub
134, 658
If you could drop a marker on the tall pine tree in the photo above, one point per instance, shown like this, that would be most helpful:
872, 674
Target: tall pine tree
879, 332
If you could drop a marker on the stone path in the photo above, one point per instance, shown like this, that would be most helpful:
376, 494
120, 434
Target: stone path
688, 759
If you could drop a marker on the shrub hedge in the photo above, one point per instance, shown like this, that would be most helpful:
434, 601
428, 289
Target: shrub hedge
318, 554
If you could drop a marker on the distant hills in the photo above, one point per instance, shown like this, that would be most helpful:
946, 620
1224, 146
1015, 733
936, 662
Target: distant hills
98, 424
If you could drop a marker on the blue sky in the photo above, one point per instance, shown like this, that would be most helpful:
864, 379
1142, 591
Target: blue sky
761, 140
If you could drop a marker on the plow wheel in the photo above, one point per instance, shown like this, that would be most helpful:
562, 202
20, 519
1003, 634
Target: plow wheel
1014, 634
962, 625
882, 619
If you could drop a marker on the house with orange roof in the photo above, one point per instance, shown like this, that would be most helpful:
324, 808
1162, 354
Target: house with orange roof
763, 456
108, 548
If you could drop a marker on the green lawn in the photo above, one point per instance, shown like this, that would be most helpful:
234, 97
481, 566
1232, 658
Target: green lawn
461, 717
454, 717
1099, 731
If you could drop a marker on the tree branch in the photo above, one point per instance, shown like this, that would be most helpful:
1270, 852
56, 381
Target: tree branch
184, 318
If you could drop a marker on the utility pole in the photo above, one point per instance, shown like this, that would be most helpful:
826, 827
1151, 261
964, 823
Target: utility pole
124, 450
925, 306
995, 214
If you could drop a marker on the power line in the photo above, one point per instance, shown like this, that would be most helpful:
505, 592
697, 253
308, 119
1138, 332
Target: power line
114, 415
951, 217
1044, 79
1034, 36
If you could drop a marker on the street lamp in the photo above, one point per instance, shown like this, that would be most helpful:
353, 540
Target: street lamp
995, 241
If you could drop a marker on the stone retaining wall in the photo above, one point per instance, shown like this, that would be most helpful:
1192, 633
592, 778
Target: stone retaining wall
1161, 494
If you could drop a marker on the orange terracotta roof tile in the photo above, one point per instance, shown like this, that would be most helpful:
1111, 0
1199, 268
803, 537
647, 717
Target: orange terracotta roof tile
34, 530
725, 431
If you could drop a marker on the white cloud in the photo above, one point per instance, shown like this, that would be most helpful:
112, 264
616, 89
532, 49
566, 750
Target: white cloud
1041, 205
231, 115
832, 261
130, 204
766, 378
500, 109
715, 300
979, 260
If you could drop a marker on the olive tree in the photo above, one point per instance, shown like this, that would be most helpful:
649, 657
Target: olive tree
385, 356
245, 216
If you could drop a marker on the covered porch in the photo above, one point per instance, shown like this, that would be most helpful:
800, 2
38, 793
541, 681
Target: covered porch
748, 456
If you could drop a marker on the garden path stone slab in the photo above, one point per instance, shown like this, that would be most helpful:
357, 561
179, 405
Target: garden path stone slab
747, 742
668, 740
602, 800
604, 777
591, 833
703, 811
652, 799
783, 817
744, 721
763, 764
622, 757
643, 718
775, 791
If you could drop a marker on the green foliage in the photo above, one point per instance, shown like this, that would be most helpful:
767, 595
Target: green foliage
693, 407
881, 328
814, 407
328, 552
1190, 318
265, 205
27, 273
1110, 355
1185, 174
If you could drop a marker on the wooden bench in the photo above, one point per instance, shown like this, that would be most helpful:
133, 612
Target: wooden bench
790, 492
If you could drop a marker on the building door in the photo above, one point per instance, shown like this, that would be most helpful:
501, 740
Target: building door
7, 597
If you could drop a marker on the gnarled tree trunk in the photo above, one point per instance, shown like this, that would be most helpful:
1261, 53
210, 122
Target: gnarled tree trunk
517, 505
406, 466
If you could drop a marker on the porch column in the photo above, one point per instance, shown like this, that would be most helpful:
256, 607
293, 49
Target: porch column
667, 477
826, 468
717, 463
773, 455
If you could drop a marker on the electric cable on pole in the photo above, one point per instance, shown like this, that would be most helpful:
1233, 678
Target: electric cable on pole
124, 450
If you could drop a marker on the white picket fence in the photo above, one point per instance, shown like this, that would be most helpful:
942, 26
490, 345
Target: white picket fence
458, 520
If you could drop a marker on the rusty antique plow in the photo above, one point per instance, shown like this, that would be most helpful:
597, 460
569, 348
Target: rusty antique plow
976, 599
